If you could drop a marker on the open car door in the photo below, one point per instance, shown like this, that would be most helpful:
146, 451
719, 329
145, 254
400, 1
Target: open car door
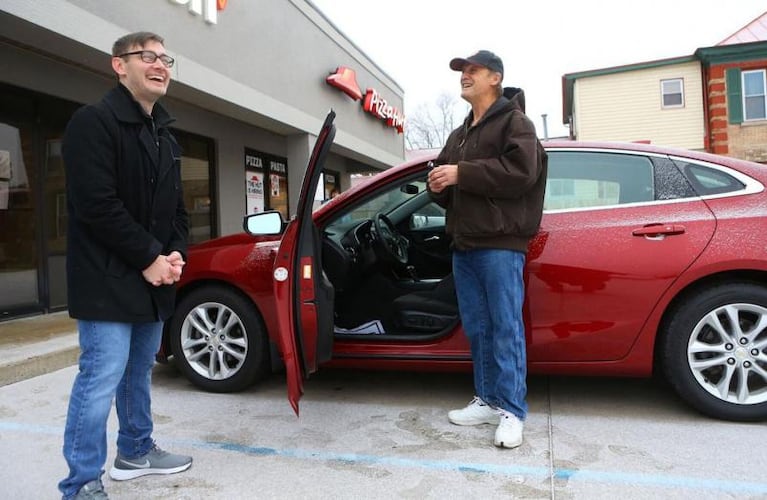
303, 294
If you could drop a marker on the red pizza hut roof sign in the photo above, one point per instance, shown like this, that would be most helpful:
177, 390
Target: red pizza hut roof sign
345, 80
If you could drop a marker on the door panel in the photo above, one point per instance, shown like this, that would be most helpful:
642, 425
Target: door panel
304, 296
595, 274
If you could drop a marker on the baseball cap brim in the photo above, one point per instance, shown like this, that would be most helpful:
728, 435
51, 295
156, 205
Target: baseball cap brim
458, 63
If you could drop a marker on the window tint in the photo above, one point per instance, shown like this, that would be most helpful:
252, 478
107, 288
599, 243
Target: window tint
707, 180
586, 179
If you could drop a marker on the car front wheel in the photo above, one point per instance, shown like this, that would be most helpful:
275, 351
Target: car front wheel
218, 340
714, 351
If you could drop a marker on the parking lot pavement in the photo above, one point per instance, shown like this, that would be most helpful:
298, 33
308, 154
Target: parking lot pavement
385, 435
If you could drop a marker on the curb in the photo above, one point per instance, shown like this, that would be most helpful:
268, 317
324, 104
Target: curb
31, 360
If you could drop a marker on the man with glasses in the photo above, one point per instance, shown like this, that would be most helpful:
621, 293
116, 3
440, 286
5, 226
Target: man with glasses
125, 245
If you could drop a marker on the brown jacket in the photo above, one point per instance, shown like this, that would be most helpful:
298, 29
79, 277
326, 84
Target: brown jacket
498, 201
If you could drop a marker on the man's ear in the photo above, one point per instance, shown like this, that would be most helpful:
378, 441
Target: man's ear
118, 65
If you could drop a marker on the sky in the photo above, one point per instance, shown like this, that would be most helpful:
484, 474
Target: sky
413, 41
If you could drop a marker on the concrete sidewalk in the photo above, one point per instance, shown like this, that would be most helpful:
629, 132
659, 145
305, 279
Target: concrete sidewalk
37, 345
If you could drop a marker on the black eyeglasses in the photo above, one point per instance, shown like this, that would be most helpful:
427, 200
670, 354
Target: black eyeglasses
150, 56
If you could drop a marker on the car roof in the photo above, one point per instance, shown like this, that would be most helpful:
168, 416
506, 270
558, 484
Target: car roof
739, 164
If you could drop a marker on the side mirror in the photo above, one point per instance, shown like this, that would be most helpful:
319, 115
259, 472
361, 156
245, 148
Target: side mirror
264, 223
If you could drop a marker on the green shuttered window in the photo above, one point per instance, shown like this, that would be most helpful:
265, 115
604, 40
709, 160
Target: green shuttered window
734, 96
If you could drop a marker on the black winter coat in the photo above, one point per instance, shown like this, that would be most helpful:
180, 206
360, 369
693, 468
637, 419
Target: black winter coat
125, 208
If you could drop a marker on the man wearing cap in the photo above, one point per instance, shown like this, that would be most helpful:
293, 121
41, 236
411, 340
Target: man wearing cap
491, 177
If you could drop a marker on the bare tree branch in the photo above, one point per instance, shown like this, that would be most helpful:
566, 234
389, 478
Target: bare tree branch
430, 124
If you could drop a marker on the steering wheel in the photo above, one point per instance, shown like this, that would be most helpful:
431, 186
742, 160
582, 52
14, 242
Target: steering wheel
392, 246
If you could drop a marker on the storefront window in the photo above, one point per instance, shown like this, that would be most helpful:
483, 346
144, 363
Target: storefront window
266, 182
19, 255
196, 167
33, 203
331, 184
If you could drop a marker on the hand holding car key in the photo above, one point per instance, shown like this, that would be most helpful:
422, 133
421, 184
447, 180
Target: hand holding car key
441, 176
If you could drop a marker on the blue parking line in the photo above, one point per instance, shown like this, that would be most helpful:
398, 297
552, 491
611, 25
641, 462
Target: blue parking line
621, 478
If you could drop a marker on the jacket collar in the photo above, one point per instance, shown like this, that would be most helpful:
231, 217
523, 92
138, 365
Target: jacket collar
512, 98
127, 109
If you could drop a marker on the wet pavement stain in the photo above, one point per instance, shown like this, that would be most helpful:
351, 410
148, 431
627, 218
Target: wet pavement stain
6, 412
643, 456
361, 469
161, 419
420, 426
422, 490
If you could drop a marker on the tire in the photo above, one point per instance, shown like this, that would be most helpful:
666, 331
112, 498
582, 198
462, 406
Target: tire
717, 366
218, 340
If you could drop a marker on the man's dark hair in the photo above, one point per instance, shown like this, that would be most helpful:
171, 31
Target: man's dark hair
140, 38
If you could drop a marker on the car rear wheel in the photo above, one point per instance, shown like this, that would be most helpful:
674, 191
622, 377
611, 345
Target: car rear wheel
714, 351
218, 340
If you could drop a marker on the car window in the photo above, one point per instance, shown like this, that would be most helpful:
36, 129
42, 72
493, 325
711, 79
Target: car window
429, 216
670, 183
385, 201
592, 179
707, 180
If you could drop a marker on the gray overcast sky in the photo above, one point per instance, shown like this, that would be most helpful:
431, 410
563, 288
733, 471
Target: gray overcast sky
539, 41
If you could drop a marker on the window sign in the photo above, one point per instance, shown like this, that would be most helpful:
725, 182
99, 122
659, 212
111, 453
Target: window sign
266, 178
331, 184
278, 186
254, 183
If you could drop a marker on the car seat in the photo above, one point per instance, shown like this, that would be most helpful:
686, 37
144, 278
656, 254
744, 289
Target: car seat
427, 311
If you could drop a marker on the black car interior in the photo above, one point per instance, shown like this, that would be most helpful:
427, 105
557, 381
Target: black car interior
389, 261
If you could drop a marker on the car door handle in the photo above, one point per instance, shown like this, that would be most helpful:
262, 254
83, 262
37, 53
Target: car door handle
431, 238
659, 230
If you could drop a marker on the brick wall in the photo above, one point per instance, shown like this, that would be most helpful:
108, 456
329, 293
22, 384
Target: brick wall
747, 140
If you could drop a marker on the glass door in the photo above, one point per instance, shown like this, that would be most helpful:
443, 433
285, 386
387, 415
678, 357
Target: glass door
19, 256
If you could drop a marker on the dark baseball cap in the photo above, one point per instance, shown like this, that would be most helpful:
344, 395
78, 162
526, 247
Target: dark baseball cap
483, 58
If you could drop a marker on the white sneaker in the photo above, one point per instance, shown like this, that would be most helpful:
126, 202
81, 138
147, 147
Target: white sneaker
509, 431
475, 413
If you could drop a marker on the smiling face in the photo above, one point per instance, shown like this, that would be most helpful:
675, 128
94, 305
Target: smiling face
146, 81
478, 82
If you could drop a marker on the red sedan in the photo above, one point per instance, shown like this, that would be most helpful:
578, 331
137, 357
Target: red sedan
648, 260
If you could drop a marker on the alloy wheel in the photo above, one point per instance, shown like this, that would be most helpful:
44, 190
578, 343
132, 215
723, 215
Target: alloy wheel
727, 353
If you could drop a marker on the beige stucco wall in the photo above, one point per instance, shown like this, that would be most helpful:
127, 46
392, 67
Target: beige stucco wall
626, 106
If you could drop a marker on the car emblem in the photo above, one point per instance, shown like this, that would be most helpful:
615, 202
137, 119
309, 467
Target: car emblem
280, 274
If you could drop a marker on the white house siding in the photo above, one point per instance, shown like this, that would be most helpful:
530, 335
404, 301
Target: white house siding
626, 106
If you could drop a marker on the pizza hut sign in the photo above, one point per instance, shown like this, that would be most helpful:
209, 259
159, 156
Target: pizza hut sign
208, 9
345, 80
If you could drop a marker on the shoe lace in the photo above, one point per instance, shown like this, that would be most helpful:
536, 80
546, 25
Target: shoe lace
477, 401
156, 450
507, 415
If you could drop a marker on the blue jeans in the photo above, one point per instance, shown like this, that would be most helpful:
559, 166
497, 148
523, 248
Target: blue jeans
490, 290
116, 361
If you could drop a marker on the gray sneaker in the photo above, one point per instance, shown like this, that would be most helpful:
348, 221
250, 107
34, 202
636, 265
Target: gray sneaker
156, 461
92, 490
